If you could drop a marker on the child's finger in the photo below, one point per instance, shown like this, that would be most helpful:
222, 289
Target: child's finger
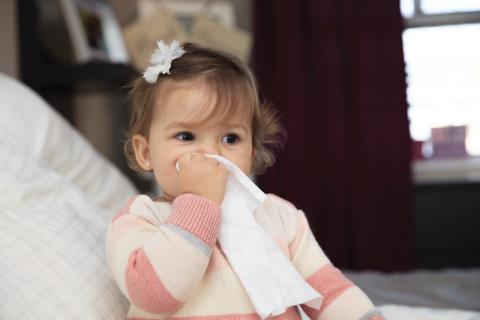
183, 160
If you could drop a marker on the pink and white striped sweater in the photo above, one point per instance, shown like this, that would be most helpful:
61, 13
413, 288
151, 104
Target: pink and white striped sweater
166, 261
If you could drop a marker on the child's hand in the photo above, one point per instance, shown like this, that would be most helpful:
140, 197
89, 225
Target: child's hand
202, 176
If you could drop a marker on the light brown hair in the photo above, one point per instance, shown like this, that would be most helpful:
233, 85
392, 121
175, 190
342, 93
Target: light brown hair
233, 83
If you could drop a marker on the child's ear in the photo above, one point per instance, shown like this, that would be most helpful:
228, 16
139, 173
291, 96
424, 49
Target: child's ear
142, 151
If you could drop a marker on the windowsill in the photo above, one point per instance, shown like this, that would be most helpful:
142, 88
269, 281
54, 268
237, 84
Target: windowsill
446, 171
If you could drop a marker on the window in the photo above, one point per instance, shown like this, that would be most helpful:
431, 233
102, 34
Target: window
449, 6
442, 54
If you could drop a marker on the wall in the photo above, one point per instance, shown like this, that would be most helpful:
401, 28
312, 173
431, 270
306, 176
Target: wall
8, 38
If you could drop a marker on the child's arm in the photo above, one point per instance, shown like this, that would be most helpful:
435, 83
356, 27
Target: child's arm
157, 267
341, 298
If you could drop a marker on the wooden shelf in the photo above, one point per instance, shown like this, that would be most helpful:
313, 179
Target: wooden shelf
39, 72
52, 75
60, 75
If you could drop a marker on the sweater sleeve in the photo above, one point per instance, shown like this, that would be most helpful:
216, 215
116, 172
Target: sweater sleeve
342, 299
156, 266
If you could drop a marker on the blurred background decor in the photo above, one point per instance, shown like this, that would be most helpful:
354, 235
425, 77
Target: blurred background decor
80, 55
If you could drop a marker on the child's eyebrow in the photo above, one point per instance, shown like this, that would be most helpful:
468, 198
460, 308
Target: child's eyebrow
235, 126
180, 124
185, 124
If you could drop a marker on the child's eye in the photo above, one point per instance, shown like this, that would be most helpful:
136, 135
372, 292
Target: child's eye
185, 136
230, 138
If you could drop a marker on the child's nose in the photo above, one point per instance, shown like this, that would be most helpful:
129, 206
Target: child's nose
209, 148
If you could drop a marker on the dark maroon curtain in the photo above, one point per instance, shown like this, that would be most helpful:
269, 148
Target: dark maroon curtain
335, 71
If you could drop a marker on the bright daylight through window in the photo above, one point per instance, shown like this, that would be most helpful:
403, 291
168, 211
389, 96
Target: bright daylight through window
442, 55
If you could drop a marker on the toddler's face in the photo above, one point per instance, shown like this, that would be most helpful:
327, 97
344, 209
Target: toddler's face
179, 126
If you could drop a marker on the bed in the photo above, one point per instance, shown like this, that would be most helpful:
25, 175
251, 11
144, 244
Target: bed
56, 196
423, 294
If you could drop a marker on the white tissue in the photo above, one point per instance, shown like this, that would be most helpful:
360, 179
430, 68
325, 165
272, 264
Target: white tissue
269, 278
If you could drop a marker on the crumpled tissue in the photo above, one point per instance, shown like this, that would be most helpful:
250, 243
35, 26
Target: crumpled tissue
269, 278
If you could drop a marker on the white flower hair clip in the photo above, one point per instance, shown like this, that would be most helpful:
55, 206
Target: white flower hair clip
161, 60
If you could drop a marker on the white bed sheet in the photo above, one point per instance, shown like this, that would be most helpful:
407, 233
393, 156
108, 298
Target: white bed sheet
52, 261
59, 146
399, 312
57, 195
452, 288
422, 295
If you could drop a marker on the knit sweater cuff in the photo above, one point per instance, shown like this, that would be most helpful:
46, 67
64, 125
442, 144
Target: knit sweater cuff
197, 215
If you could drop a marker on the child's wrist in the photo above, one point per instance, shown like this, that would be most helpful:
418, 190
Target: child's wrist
209, 197
198, 215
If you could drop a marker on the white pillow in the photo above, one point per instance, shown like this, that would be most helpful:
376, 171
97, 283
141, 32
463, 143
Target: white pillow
49, 137
52, 261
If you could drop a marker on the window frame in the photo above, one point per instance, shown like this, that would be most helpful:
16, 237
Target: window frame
421, 19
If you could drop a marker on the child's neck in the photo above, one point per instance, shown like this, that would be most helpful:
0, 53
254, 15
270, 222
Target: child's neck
163, 198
